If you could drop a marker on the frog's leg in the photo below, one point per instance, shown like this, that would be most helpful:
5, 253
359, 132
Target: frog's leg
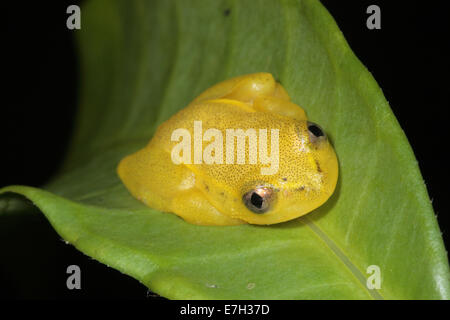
279, 106
259, 90
244, 88
193, 207
152, 177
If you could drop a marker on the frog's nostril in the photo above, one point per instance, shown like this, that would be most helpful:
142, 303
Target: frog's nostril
259, 199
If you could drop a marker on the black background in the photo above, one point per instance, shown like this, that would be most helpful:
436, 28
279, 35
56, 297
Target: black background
408, 57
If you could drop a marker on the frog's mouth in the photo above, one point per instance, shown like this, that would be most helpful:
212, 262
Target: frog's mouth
267, 204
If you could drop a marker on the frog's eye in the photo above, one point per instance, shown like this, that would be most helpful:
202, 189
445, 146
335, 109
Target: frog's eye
259, 200
315, 132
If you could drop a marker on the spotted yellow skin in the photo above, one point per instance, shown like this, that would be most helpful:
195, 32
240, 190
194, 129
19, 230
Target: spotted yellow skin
212, 194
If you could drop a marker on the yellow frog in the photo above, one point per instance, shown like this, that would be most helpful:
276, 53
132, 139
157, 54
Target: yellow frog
241, 152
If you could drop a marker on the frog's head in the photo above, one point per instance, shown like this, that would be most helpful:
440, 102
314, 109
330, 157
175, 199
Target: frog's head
306, 178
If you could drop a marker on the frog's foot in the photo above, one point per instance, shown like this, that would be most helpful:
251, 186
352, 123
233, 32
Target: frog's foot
279, 106
194, 208
245, 88
259, 91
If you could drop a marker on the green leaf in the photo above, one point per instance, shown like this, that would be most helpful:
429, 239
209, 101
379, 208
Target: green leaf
144, 60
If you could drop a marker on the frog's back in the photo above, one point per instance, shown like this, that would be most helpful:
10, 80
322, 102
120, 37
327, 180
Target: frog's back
225, 115
220, 114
